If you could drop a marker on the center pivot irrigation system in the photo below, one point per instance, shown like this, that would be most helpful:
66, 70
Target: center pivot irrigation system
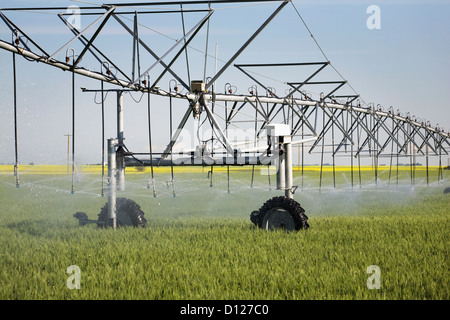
260, 127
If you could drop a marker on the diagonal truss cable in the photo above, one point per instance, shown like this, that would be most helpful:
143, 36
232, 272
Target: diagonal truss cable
321, 50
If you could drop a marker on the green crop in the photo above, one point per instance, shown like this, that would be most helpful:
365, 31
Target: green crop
202, 245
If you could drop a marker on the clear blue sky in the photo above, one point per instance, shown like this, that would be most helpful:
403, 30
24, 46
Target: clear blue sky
404, 64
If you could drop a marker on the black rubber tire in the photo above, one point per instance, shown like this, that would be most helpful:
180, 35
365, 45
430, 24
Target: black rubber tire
128, 213
81, 216
289, 205
254, 217
447, 190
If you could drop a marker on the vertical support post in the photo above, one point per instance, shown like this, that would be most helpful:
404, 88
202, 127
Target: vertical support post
112, 181
120, 118
16, 162
73, 128
120, 137
426, 159
281, 140
392, 153
228, 178
150, 138
103, 137
397, 159
288, 167
206, 47
68, 152
185, 49
281, 172
351, 147
333, 154
375, 156
303, 154
171, 144
321, 155
440, 173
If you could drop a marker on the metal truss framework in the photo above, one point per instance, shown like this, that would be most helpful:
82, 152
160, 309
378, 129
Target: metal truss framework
338, 124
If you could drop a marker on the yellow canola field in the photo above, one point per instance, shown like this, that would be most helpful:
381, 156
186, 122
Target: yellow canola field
95, 169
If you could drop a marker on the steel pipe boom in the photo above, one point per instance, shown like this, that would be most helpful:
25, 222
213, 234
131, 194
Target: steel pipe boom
212, 96
64, 66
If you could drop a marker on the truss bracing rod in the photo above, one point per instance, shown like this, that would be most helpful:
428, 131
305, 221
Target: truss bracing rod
86, 47
228, 145
106, 14
16, 152
417, 130
177, 133
146, 47
227, 64
194, 32
388, 131
10, 25
336, 121
302, 118
296, 89
84, 41
364, 127
167, 3
251, 77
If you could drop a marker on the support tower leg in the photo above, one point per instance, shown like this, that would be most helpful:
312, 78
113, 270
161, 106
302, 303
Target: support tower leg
120, 137
112, 181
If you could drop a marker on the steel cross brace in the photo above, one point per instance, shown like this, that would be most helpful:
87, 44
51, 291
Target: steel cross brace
248, 75
147, 48
364, 127
391, 134
398, 126
174, 138
417, 130
437, 143
10, 25
408, 137
263, 114
440, 143
197, 29
382, 124
194, 32
269, 113
374, 130
301, 117
350, 131
334, 121
106, 16
296, 89
245, 45
84, 41
325, 129
306, 117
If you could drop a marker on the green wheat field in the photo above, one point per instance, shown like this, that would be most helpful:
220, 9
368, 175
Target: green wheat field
201, 244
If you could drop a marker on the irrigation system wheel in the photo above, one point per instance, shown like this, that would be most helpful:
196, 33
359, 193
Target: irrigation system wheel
280, 213
128, 213
447, 190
